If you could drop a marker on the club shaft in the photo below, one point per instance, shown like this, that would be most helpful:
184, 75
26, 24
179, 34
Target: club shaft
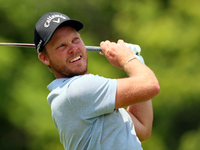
89, 48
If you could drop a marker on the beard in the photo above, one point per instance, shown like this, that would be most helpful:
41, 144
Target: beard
64, 70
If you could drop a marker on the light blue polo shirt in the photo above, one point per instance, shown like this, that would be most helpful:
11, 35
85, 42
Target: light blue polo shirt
83, 112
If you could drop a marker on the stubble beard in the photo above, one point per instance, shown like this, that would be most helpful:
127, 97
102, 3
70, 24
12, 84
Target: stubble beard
65, 71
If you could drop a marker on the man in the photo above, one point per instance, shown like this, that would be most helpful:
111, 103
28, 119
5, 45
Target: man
88, 110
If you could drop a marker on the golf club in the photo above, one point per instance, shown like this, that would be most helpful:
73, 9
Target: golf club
89, 48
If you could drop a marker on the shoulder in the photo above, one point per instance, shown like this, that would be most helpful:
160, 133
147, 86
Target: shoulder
90, 79
90, 86
91, 82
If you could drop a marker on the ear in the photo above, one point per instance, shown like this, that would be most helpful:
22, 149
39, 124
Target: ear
43, 59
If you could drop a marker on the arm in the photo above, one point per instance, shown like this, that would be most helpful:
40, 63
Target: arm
142, 117
140, 86
136, 90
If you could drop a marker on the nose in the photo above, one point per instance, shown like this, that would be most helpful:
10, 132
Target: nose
72, 49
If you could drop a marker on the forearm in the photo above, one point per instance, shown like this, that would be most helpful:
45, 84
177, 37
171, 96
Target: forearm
140, 86
142, 117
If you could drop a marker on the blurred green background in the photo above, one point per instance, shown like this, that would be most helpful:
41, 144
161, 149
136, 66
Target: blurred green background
168, 32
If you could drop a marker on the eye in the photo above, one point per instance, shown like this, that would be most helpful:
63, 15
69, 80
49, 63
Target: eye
75, 39
60, 46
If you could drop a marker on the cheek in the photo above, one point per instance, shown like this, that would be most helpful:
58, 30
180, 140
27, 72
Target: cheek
85, 57
57, 57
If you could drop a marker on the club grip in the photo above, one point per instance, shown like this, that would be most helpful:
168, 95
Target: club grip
93, 48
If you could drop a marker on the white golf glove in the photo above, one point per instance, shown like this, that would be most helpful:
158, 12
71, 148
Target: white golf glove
136, 50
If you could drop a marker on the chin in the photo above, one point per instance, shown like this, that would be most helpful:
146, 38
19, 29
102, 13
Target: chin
78, 72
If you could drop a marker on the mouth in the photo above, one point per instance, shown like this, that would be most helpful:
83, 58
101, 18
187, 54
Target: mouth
75, 59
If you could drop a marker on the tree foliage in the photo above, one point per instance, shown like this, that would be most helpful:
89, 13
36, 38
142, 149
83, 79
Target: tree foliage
168, 34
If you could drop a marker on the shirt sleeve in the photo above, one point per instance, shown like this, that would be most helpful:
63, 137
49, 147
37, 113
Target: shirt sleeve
92, 96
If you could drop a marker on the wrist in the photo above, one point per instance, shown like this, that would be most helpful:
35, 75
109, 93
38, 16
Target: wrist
130, 59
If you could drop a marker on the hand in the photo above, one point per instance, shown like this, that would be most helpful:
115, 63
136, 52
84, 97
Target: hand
116, 53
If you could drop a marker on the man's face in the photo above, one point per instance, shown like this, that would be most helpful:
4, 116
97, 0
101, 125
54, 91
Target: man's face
66, 53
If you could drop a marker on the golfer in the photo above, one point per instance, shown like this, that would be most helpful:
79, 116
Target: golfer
88, 110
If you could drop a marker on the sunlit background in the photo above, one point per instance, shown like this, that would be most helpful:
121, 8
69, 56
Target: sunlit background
168, 32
